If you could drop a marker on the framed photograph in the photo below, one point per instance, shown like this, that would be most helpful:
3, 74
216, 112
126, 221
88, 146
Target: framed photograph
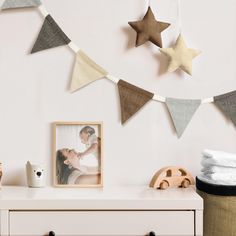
77, 154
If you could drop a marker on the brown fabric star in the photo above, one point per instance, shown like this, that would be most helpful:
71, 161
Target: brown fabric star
149, 29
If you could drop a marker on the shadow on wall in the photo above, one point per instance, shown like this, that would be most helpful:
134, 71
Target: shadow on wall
16, 178
131, 37
163, 64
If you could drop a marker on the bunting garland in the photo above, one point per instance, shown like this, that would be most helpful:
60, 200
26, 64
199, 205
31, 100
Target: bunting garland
132, 98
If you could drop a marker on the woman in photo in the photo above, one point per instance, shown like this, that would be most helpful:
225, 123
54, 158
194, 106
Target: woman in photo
70, 171
68, 166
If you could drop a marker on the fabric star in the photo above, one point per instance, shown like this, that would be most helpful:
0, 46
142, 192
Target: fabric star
180, 56
149, 29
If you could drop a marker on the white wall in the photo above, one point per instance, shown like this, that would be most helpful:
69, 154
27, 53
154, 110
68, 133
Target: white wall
34, 88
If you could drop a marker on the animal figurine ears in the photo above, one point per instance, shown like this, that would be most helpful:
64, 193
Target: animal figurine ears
171, 176
35, 175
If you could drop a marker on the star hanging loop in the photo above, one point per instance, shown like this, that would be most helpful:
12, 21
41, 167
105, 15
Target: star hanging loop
180, 56
149, 29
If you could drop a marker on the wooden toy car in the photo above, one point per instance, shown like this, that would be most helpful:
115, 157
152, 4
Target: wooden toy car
171, 176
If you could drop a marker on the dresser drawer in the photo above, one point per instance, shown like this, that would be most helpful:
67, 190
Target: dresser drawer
103, 223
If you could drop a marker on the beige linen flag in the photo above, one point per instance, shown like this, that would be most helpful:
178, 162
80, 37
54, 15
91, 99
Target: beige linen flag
85, 71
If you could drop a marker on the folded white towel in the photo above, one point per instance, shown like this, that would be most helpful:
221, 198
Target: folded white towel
206, 179
218, 169
219, 158
222, 177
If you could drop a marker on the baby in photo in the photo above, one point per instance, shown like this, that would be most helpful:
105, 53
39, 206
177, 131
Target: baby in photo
91, 141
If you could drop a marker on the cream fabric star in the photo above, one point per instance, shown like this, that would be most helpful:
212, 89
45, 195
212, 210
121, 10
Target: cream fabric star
180, 56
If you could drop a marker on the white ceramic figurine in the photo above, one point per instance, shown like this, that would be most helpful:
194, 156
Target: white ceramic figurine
35, 175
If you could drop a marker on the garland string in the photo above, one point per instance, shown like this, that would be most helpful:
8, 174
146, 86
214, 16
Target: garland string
179, 16
112, 78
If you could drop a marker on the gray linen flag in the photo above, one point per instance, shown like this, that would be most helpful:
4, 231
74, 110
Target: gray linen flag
227, 104
12, 4
50, 36
181, 111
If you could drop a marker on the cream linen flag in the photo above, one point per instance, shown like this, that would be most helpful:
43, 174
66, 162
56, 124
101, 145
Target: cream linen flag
85, 71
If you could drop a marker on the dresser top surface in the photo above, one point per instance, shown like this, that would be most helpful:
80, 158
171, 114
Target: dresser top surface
125, 197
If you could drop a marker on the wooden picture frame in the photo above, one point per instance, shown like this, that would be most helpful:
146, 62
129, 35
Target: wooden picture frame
78, 154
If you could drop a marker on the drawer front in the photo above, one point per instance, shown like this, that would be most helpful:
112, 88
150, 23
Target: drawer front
103, 223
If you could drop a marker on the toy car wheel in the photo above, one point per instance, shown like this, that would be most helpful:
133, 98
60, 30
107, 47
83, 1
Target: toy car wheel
164, 185
185, 183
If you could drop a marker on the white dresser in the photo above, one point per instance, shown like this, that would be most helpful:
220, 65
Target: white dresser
123, 211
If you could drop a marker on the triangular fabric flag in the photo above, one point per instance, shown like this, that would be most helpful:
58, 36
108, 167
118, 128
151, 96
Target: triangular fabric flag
181, 111
85, 71
227, 104
132, 99
12, 4
50, 36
